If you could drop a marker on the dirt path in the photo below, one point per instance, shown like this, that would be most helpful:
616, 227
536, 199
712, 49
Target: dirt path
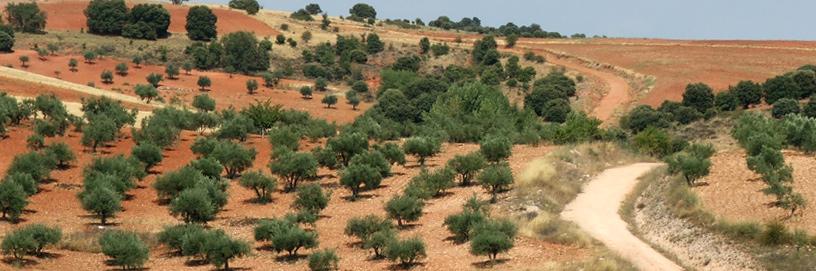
595, 210
54, 82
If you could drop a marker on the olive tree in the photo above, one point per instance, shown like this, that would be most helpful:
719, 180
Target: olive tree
422, 148
403, 208
262, 184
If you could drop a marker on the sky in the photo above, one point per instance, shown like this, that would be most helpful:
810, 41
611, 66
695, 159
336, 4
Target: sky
676, 19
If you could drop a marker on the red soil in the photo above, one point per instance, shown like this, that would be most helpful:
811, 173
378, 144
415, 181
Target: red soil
678, 63
225, 90
69, 15
57, 204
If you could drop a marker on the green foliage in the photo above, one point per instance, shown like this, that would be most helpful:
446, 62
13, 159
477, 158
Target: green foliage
243, 52
100, 130
363, 228
234, 157
107, 77
250, 6
293, 168
147, 153
147, 21
692, 167
357, 174
201, 24
106, 17
329, 100
37, 165
410, 63
35, 142
302, 15
102, 201
403, 208
642, 117
262, 184
204, 103
496, 178
493, 237
25, 181
26, 17
251, 86
154, 79
779, 87
146, 92
347, 145
6, 42
467, 166
495, 148
422, 148
124, 248
285, 236
194, 205
173, 236
407, 251
699, 96
726, 101
656, 142
220, 249
748, 93
18, 244
362, 11
311, 199
324, 260
13, 199
785, 106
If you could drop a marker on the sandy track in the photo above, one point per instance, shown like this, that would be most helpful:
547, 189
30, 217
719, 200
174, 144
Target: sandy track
595, 210
54, 82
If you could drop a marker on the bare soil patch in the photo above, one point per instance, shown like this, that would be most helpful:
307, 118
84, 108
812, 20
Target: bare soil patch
733, 192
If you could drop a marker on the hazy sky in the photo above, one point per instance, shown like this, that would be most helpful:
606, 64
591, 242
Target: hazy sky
692, 19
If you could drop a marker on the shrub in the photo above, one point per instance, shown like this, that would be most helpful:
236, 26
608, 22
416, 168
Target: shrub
172, 71
726, 101
102, 201
496, 178
306, 92
106, 17
285, 236
347, 145
243, 53
37, 165
462, 224
201, 24
294, 168
262, 185
362, 11
124, 248
785, 106
26, 182
775, 234
311, 199
364, 227
18, 244
404, 209
407, 251
250, 6
147, 153
154, 79
357, 174
13, 199
329, 100
692, 167
173, 236
467, 166
147, 21
324, 260
779, 87
698, 96
748, 93
234, 157
193, 205
35, 142
6, 42
422, 148
642, 117
654, 141
251, 86
99, 131
122, 69
495, 148
146, 92
492, 238
107, 77
204, 82
220, 249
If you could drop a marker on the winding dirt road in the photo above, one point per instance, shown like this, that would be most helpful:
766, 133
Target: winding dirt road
595, 210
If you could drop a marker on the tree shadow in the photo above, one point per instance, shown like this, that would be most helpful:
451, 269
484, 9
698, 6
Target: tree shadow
48, 255
489, 263
359, 197
400, 266
196, 262
19, 262
456, 241
256, 200
290, 258
408, 226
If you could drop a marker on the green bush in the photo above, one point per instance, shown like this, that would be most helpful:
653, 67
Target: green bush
422, 148
194, 205
748, 93
220, 249
642, 117
106, 17
173, 236
407, 251
404, 209
124, 248
294, 168
357, 174
260, 183
311, 198
496, 148
496, 178
201, 24
285, 236
102, 201
6, 42
234, 157
18, 244
324, 260
467, 166
461, 224
492, 237
785, 106
726, 101
698, 96
364, 227
775, 234
780, 87
250, 6
147, 153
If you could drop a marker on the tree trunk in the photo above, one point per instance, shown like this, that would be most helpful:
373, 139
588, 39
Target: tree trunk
226, 264
104, 219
